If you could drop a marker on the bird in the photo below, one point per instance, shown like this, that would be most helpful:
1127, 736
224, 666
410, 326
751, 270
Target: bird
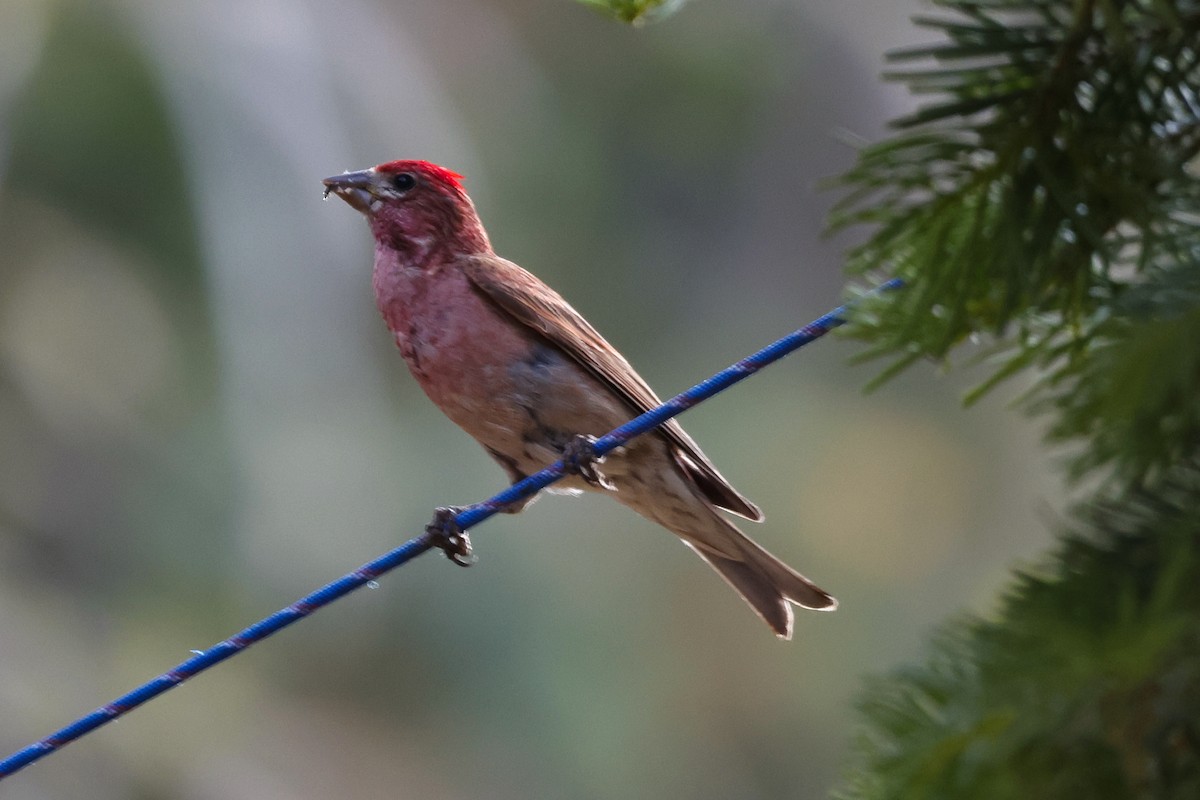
508, 360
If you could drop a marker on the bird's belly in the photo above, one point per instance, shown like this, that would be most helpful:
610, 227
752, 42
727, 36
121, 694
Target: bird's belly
520, 396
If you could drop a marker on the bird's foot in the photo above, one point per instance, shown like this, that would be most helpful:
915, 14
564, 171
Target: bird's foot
452, 540
579, 458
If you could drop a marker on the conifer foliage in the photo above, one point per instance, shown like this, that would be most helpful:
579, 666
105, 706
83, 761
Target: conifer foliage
1047, 203
1049, 196
1087, 683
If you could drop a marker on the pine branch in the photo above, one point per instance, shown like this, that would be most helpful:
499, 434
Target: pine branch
1085, 685
1053, 175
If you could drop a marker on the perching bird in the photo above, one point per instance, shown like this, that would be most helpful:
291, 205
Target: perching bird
508, 360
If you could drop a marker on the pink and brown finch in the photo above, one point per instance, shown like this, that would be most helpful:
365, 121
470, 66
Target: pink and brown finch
508, 360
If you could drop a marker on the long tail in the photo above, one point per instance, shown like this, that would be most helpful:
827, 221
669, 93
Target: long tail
765, 582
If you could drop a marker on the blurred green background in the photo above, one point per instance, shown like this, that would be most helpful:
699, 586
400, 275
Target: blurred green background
202, 417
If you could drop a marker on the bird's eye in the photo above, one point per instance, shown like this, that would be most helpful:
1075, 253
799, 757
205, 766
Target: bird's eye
404, 181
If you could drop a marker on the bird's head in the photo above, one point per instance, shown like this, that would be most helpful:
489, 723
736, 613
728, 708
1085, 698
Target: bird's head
414, 207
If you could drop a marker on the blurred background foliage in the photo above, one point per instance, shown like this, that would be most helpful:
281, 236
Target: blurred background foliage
201, 416
636, 12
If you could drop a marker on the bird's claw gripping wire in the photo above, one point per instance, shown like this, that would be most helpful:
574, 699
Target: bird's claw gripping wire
579, 458
444, 534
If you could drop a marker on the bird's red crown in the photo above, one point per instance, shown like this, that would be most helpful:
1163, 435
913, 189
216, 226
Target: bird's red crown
440, 174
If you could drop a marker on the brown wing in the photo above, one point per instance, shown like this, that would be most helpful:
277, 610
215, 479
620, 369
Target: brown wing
536, 306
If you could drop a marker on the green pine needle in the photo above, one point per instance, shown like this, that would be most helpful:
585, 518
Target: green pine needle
1085, 685
1053, 172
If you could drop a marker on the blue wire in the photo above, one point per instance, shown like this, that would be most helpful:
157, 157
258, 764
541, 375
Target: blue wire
467, 518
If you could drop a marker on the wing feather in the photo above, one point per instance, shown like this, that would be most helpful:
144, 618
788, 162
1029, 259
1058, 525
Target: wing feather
533, 304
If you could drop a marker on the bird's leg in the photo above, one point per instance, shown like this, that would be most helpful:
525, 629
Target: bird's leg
515, 476
579, 457
445, 535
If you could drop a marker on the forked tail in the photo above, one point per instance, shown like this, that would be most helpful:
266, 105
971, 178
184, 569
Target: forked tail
765, 582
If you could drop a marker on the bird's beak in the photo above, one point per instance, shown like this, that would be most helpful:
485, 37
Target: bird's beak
356, 188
